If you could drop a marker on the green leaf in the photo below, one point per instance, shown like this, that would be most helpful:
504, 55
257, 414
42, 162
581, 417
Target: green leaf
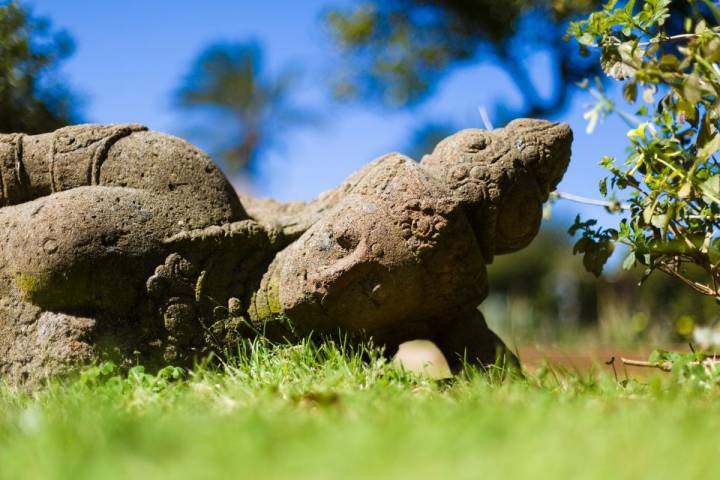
669, 63
586, 39
629, 7
705, 134
630, 92
582, 245
106, 368
710, 147
711, 187
639, 132
596, 257
621, 61
685, 191
692, 89
659, 356
659, 221
629, 261
603, 187
580, 225
648, 213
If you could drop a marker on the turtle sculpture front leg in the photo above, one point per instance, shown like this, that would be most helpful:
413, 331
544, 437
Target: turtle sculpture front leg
466, 339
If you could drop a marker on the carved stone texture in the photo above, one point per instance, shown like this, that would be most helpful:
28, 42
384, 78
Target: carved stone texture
117, 242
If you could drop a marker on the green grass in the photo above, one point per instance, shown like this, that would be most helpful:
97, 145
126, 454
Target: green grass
305, 412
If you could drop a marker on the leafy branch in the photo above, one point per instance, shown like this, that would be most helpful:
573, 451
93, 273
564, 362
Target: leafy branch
670, 180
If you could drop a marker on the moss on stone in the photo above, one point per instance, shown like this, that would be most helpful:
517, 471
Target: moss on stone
29, 284
265, 303
273, 296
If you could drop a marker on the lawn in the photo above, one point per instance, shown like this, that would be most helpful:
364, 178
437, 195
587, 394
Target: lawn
306, 412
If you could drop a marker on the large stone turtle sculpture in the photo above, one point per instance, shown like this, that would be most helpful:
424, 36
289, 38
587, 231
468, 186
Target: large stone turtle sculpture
118, 242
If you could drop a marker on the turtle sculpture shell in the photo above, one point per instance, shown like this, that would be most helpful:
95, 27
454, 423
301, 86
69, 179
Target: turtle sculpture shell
118, 242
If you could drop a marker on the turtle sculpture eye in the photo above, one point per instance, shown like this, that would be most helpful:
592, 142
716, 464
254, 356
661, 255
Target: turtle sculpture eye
531, 152
348, 239
477, 145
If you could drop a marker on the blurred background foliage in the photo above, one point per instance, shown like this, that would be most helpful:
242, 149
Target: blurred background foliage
243, 110
33, 97
396, 51
392, 55
544, 294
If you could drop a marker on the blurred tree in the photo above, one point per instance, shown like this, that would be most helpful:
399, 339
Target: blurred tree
248, 110
397, 50
544, 293
32, 97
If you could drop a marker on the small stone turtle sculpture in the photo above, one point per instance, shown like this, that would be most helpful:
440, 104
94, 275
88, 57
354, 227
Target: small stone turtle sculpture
118, 242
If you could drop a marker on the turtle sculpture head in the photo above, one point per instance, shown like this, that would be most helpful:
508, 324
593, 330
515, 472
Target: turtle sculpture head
503, 177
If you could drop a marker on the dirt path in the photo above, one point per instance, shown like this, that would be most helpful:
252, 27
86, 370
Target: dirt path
582, 358
423, 356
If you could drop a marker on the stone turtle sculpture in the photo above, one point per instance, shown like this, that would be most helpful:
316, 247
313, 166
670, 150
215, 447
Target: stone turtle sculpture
118, 242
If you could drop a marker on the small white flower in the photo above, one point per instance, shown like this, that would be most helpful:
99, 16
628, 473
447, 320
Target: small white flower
706, 337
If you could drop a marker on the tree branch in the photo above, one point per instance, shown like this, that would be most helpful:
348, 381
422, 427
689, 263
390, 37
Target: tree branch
666, 366
675, 38
615, 206
697, 286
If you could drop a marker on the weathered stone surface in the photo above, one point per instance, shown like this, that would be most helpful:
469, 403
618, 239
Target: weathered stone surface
124, 243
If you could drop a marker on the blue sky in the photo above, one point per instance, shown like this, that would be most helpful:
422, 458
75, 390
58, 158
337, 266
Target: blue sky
131, 56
